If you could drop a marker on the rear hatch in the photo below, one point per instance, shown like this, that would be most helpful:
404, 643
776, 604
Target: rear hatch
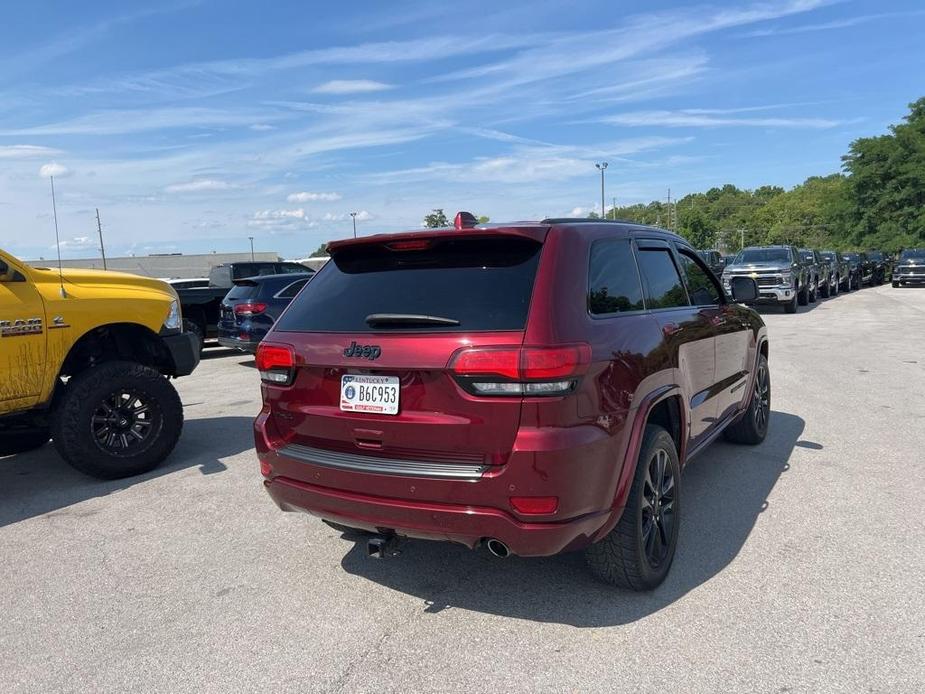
401, 307
243, 292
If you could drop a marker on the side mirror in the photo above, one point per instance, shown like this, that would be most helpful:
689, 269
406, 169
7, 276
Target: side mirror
744, 289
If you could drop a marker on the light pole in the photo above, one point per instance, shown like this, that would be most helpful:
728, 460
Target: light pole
251, 238
600, 167
354, 215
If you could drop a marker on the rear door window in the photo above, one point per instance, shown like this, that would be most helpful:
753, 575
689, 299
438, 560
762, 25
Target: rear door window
291, 290
613, 280
476, 284
661, 279
242, 290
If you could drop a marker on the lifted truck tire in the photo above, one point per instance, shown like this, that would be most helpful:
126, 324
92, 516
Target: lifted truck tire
803, 295
117, 419
791, 306
623, 557
13, 441
751, 427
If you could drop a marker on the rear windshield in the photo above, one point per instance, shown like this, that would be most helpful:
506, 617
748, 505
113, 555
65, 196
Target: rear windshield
242, 290
910, 253
875, 255
828, 255
763, 255
850, 256
484, 284
807, 255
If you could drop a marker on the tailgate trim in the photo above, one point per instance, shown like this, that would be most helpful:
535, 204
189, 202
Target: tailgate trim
383, 466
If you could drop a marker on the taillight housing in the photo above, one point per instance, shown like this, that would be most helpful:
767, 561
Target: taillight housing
276, 364
249, 309
520, 371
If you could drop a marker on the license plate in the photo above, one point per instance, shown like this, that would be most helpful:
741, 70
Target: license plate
374, 394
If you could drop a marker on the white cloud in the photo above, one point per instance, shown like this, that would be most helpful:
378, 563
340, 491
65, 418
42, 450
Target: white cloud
279, 214
26, 151
54, 169
362, 216
828, 26
78, 243
351, 87
262, 127
580, 212
199, 185
313, 197
705, 118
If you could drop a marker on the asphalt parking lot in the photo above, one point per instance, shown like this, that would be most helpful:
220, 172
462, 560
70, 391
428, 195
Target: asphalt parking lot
800, 565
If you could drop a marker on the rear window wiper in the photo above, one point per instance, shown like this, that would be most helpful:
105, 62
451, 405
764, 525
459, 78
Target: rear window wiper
408, 319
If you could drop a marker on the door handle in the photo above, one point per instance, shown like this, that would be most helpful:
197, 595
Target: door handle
669, 329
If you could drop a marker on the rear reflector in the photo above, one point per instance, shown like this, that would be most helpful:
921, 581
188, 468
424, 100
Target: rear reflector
276, 364
537, 505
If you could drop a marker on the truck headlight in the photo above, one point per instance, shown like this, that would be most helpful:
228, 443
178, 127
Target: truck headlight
174, 317
786, 277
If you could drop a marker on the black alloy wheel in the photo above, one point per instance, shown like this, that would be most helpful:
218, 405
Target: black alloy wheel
658, 515
125, 422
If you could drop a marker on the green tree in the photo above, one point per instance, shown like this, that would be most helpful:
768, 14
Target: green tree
320, 252
436, 219
484, 219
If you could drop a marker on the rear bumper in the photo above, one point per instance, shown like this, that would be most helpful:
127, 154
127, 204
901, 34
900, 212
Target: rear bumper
237, 343
466, 525
184, 352
472, 504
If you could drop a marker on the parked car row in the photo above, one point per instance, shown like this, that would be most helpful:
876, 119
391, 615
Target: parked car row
789, 276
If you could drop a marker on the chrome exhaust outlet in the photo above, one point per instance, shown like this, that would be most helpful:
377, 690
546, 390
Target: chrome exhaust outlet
498, 548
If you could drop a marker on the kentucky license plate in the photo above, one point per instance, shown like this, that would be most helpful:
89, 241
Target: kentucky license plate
376, 394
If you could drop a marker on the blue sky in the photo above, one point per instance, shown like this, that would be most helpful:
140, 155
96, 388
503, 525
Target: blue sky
198, 124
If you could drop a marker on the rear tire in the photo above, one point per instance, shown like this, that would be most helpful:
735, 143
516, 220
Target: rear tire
117, 419
752, 426
638, 552
803, 296
826, 292
791, 306
895, 285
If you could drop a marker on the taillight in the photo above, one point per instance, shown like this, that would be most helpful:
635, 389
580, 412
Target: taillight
254, 309
538, 505
276, 364
520, 370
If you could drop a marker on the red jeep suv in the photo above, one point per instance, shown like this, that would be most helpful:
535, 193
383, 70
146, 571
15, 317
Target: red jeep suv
532, 388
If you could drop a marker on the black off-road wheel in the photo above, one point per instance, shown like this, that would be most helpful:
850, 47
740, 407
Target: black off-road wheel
15, 440
895, 285
638, 552
826, 291
752, 426
803, 295
117, 420
791, 306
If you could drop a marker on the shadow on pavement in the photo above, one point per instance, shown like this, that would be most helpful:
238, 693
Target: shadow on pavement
724, 490
40, 481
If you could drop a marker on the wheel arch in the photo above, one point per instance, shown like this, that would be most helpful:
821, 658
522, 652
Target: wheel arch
117, 341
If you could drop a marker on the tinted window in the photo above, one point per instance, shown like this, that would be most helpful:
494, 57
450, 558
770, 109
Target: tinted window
807, 256
702, 290
291, 269
910, 253
763, 255
828, 255
662, 281
613, 282
875, 255
485, 284
242, 290
292, 289
851, 256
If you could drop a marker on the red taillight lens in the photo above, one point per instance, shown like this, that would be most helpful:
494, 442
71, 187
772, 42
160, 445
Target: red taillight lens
487, 362
536, 505
520, 370
275, 363
411, 245
249, 309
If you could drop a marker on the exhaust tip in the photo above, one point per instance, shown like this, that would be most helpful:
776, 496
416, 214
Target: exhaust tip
497, 548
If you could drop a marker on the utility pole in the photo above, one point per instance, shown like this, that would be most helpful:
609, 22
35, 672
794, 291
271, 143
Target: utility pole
99, 229
354, 215
600, 167
669, 209
251, 239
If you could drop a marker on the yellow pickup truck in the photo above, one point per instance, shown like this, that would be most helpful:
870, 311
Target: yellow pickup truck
85, 360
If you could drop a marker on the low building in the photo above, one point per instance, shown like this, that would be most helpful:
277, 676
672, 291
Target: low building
164, 266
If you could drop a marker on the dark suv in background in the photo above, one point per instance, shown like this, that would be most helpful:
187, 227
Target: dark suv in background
252, 306
879, 267
838, 270
531, 389
782, 277
858, 269
910, 268
820, 282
